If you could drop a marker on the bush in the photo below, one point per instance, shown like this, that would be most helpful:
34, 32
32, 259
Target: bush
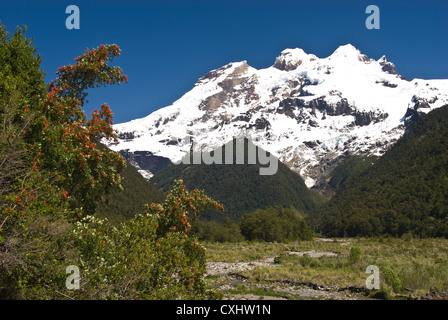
274, 225
382, 295
392, 279
228, 231
152, 256
355, 255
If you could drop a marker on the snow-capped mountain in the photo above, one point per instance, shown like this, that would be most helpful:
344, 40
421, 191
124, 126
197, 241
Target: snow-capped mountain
307, 111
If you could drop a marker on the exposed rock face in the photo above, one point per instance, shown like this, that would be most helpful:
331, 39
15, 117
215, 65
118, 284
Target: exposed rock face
145, 161
291, 59
309, 112
366, 118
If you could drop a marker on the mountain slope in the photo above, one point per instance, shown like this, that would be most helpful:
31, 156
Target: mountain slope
240, 187
124, 204
348, 169
403, 191
309, 112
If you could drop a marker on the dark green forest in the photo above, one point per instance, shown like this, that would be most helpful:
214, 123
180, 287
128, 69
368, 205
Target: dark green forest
403, 192
348, 169
240, 187
121, 205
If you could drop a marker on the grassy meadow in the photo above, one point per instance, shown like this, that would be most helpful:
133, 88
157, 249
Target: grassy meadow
409, 268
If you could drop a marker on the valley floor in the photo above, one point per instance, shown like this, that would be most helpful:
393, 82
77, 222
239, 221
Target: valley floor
329, 269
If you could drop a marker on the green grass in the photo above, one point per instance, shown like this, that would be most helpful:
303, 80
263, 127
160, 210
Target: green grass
248, 251
407, 266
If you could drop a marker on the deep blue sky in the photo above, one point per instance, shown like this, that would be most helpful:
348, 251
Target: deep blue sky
167, 45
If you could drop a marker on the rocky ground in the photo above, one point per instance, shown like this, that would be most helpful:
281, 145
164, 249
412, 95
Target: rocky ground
229, 274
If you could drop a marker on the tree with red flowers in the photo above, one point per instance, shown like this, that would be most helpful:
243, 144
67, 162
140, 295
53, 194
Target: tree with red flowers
53, 167
68, 144
57, 171
62, 145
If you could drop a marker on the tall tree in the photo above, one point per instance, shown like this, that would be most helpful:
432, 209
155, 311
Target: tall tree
21, 88
52, 166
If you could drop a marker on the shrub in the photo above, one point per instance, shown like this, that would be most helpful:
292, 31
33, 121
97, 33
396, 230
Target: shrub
151, 256
392, 279
228, 231
355, 255
274, 225
383, 295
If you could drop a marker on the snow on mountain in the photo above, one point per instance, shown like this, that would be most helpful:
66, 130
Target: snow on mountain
307, 111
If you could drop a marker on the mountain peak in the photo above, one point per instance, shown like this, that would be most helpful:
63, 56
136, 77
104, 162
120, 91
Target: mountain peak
388, 67
305, 110
290, 59
346, 51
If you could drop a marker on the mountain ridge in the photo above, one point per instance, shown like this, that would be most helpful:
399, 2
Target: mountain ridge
239, 186
309, 112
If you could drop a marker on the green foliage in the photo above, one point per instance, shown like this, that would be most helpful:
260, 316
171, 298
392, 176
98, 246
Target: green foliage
53, 170
19, 69
66, 144
240, 187
228, 231
274, 224
53, 183
391, 278
51, 152
33, 257
355, 255
21, 87
348, 169
151, 256
121, 205
382, 295
32, 214
404, 192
